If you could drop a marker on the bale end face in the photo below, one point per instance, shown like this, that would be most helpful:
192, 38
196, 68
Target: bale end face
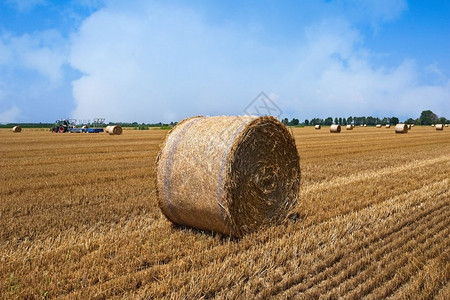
231, 175
17, 129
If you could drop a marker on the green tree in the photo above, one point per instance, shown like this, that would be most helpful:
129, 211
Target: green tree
328, 121
427, 117
395, 120
294, 122
410, 121
306, 122
285, 121
443, 120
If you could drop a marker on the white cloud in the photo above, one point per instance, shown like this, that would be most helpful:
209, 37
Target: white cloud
44, 52
26, 5
10, 116
154, 63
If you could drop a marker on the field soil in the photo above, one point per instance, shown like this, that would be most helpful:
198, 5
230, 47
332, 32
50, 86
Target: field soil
79, 219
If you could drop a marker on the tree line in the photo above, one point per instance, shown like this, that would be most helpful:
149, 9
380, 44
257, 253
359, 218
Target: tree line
427, 117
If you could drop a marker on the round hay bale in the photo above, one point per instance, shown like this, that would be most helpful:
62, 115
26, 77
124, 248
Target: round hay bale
107, 128
335, 128
412, 125
317, 127
361, 125
388, 126
378, 126
17, 129
84, 127
439, 126
409, 126
349, 127
365, 125
401, 128
446, 125
228, 174
115, 130
432, 125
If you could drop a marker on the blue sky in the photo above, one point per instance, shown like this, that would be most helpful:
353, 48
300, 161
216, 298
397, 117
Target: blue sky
149, 61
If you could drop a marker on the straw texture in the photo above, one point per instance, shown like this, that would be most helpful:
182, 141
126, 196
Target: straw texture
17, 129
439, 126
228, 174
401, 128
114, 130
335, 128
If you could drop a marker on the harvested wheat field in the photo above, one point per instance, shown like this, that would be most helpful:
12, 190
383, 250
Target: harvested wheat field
79, 218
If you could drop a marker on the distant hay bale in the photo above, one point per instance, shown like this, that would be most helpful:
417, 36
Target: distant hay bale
17, 129
412, 125
84, 127
446, 125
107, 128
349, 127
317, 127
114, 130
388, 126
361, 125
335, 128
365, 125
228, 174
439, 126
409, 126
401, 128
378, 126
432, 125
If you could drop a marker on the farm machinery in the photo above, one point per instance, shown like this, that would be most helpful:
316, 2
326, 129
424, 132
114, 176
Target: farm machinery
74, 126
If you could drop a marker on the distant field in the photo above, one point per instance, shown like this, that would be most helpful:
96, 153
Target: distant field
79, 219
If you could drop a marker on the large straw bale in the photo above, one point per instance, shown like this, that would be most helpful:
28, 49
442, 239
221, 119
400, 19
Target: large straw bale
401, 128
317, 127
228, 174
114, 130
335, 128
349, 127
17, 129
439, 126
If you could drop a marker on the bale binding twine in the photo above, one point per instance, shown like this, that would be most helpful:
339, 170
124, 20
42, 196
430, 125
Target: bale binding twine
228, 174
17, 129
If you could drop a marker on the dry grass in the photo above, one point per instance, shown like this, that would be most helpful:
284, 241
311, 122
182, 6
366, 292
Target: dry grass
79, 218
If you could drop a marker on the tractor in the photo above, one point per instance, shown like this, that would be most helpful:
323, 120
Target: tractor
62, 126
